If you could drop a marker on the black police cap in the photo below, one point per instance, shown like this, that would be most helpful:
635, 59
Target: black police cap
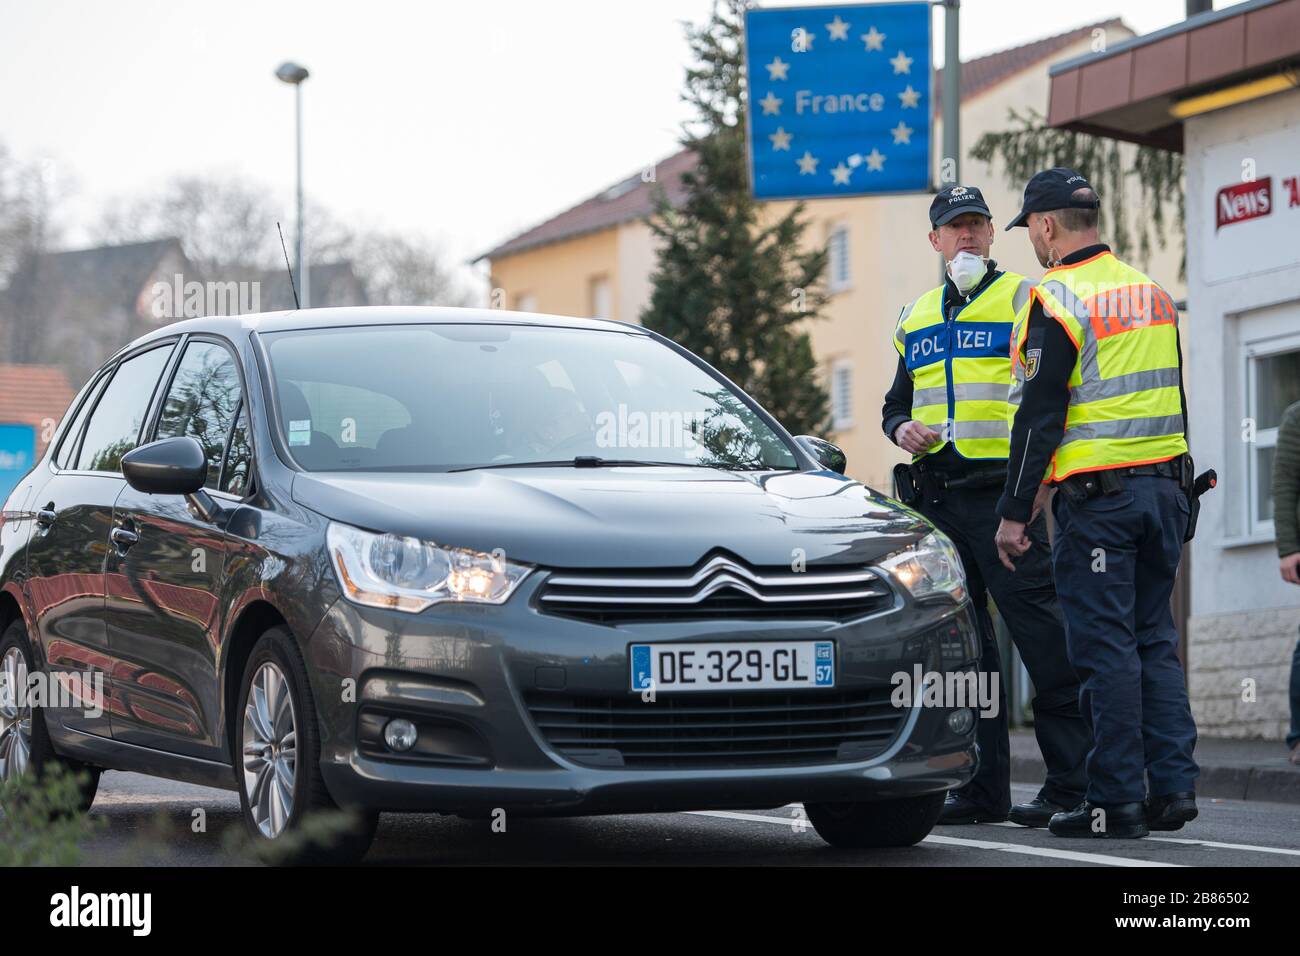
1054, 189
951, 201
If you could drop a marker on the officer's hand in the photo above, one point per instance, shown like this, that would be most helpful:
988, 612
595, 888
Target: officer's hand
1011, 541
912, 436
1291, 568
1040, 500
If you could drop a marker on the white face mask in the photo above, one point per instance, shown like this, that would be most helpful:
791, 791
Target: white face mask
966, 270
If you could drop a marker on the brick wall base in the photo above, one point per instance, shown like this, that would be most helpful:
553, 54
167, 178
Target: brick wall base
1239, 674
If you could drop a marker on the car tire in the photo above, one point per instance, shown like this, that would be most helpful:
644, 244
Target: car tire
277, 765
901, 822
25, 745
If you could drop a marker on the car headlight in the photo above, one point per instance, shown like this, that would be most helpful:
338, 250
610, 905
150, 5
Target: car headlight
928, 568
408, 574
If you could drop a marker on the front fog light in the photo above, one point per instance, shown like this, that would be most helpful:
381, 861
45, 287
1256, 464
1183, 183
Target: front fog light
400, 735
961, 721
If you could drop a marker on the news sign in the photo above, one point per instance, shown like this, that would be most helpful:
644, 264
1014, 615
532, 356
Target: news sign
1249, 206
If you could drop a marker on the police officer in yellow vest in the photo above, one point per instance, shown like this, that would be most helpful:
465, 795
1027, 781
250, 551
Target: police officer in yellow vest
948, 406
1101, 418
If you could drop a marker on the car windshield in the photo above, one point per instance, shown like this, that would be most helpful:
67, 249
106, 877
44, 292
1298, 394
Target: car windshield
447, 396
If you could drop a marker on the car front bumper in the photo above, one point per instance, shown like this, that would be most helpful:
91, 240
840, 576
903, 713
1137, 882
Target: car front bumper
464, 675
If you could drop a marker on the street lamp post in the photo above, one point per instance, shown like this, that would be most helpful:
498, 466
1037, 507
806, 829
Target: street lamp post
293, 74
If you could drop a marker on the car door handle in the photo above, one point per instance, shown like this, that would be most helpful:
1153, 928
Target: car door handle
46, 516
123, 538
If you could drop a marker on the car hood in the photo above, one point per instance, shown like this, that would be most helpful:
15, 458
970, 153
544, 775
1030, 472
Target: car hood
624, 516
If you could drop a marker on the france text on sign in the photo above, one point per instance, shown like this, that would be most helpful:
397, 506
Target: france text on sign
839, 100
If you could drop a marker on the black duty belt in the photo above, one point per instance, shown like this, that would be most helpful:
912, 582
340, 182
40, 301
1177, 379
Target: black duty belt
981, 478
1165, 469
1106, 481
1079, 488
918, 481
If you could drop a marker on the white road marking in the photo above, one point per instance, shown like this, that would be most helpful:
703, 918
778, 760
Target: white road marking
1283, 851
1228, 846
1100, 858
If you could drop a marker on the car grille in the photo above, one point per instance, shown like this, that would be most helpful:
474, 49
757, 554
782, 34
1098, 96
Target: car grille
718, 730
718, 587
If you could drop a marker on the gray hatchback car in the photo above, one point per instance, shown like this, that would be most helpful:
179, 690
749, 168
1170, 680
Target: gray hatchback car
471, 562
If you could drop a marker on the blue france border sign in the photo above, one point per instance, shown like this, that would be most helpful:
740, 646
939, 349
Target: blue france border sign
840, 100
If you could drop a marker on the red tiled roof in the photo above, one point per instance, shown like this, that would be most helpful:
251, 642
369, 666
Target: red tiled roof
624, 201
983, 72
30, 394
632, 199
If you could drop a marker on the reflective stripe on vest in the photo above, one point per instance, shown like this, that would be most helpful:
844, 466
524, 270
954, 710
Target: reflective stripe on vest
961, 370
1125, 406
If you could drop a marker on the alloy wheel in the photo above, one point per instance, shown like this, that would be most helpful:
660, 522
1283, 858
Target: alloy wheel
270, 750
15, 716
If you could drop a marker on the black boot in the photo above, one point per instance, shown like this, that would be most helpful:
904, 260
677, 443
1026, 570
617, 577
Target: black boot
959, 810
1120, 821
1171, 811
1037, 812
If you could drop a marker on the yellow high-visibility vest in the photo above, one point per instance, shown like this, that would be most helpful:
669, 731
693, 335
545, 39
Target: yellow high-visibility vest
961, 369
1125, 405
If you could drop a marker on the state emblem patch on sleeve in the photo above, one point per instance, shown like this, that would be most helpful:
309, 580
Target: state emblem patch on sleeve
1031, 363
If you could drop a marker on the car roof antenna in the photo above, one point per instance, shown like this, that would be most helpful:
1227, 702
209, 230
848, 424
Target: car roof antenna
293, 288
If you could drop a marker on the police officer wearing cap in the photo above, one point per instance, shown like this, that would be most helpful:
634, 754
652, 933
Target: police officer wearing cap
949, 407
1101, 418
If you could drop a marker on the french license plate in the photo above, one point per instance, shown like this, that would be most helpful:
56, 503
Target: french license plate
733, 665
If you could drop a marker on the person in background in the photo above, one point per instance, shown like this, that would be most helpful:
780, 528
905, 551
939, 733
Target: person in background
1286, 523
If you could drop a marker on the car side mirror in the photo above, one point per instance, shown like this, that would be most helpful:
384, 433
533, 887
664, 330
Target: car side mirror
823, 452
172, 466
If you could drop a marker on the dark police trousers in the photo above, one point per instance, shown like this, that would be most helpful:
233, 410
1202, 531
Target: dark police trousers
1027, 602
1115, 558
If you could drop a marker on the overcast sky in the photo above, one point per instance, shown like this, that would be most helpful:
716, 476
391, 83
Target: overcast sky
466, 121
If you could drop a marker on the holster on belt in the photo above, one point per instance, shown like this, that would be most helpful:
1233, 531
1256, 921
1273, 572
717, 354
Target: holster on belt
1194, 488
906, 489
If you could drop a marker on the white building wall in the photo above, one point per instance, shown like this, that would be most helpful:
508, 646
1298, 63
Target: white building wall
1243, 285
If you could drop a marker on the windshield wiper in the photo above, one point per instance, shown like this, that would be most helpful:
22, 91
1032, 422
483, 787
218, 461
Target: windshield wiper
581, 461
593, 461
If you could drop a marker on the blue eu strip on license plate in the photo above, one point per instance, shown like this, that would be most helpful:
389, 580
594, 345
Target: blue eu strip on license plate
732, 665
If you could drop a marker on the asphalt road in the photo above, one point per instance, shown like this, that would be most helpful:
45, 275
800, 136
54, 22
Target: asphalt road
148, 821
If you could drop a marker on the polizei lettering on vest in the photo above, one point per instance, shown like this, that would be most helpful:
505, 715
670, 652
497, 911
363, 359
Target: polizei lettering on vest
974, 339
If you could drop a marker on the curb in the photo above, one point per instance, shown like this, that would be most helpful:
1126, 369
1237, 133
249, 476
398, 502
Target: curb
1275, 785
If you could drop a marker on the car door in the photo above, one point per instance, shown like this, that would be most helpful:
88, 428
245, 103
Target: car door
164, 578
70, 539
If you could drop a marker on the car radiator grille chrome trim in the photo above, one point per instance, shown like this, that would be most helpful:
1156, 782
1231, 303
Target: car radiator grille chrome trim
718, 730
720, 586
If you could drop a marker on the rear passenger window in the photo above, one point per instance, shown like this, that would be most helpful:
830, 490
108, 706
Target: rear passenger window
114, 427
65, 455
202, 402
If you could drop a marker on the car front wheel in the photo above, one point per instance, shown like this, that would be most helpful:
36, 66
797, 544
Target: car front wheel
901, 822
287, 811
